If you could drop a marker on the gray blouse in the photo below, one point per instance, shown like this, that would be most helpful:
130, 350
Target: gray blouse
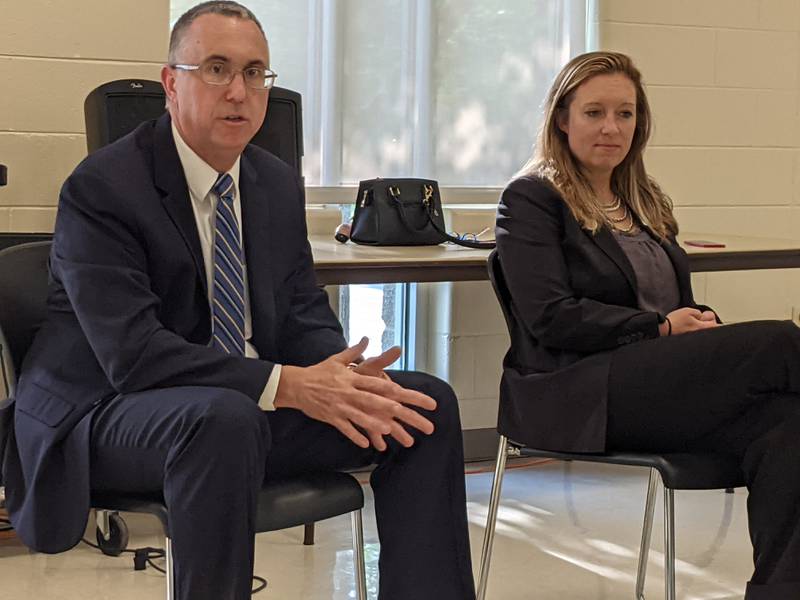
655, 276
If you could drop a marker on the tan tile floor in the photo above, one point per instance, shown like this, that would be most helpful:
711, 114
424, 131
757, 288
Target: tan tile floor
566, 531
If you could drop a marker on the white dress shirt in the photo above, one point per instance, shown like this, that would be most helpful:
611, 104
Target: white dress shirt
200, 178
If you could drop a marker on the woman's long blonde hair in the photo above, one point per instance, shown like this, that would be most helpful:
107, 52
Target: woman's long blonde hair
552, 159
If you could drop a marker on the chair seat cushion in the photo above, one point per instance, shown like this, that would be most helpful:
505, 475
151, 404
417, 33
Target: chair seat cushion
285, 503
307, 499
679, 471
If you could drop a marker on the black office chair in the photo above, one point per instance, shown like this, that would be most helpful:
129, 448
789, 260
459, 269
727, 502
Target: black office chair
677, 471
295, 501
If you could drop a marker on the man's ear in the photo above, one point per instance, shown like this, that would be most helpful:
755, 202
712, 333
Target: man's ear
168, 82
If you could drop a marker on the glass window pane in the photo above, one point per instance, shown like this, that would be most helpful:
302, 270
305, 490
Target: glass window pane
375, 91
376, 311
493, 62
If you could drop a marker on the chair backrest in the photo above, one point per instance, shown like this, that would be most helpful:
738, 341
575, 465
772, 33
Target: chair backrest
23, 301
499, 286
503, 294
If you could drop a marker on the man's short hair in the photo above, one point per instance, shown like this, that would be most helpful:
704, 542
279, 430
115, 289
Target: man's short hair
226, 8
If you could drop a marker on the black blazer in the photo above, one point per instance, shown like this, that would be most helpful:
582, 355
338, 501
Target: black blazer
574, 296
128, 311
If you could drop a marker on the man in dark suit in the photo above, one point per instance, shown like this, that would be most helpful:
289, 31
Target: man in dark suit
188, 349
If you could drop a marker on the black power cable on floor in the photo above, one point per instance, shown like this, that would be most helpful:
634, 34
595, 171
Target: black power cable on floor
145, 556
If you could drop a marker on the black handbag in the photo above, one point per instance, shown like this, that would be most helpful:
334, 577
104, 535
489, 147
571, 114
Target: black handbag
402, 212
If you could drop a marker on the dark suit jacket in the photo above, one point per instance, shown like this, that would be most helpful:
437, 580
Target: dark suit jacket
573, 296
128, 311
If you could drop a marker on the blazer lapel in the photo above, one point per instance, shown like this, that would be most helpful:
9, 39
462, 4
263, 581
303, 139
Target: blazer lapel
259, 251
605, 239
170, 179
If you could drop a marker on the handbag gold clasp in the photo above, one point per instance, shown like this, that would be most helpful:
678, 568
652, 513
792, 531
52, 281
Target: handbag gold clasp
426, 199
428, 191
394, 191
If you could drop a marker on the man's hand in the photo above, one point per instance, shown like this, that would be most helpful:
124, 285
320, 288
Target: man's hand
374, 367
361, 402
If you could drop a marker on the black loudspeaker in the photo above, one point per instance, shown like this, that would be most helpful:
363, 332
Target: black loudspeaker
3, 175
118, 107
282, 130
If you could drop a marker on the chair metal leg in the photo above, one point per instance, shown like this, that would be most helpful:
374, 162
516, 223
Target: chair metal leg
170, 569
103, 523
647, 530
358, 555
491, 518
669, 543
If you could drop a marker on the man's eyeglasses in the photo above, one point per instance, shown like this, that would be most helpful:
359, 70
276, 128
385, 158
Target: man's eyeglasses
216, 72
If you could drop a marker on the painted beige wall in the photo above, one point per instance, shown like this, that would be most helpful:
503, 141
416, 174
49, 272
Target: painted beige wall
52, 54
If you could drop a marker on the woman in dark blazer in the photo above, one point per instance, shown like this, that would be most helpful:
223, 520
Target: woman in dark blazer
615, 354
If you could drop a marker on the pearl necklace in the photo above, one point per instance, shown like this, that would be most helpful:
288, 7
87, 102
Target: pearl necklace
612, 207
617, 222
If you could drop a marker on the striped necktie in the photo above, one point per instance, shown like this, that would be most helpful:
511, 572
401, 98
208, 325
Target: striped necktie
228, 309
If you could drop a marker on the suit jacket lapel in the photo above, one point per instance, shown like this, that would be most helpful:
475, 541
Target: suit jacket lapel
605, 239
259, 250
170, 179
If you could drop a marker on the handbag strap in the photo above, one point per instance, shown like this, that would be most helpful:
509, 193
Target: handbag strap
427, 200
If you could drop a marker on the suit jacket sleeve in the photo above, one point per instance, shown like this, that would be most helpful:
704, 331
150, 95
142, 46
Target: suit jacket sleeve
530, 235
99, 258
311, 332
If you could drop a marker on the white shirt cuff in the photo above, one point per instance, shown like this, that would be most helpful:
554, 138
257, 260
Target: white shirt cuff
267, 399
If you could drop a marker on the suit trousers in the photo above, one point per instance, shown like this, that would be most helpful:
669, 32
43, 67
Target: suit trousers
210, 449
733, 389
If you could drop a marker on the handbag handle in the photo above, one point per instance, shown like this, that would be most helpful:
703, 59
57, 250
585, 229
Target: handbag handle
394, 193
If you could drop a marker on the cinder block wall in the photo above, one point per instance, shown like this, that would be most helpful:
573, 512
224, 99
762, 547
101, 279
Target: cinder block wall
53, 53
